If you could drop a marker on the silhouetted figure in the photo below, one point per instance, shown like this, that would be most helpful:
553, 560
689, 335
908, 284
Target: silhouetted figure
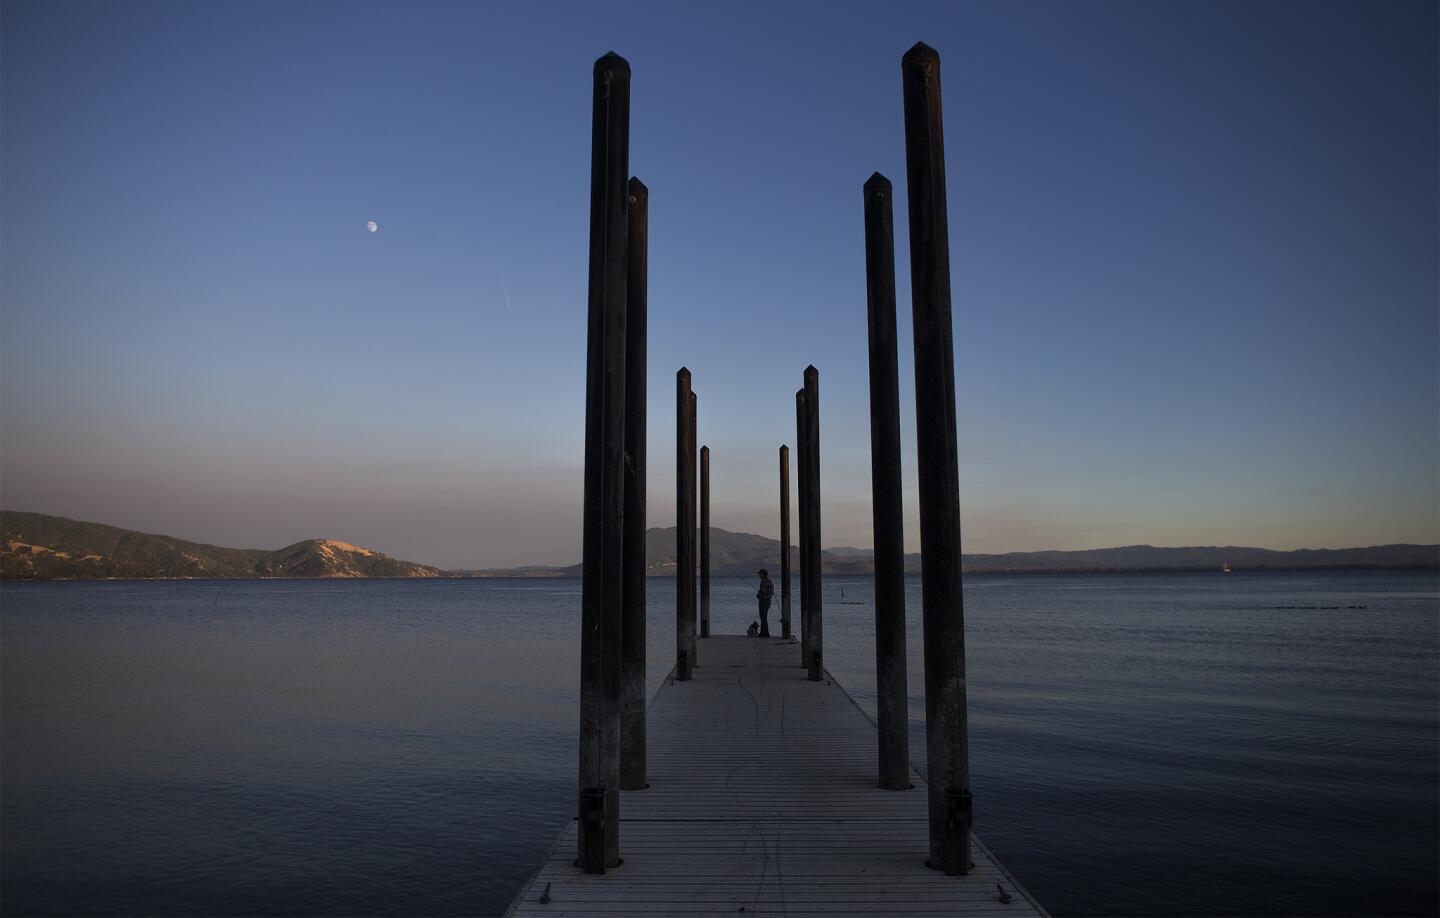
764, 595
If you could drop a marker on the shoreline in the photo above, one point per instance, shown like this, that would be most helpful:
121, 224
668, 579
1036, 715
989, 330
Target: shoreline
559, 575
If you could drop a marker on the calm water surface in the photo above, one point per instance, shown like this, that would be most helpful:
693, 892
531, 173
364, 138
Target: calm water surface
1155, 744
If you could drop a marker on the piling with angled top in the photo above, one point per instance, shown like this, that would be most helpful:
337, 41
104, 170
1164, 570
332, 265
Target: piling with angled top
704, 541
785, 542
632, 638
946, 729
803, 522
684, 522
815, 659
891, 690
601, 599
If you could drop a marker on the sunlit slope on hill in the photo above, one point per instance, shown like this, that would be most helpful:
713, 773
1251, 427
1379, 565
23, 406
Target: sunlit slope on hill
40, 547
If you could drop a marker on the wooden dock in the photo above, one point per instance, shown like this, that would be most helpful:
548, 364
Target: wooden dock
763, 800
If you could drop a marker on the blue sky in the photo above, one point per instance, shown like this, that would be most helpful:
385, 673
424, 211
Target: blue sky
1193, 246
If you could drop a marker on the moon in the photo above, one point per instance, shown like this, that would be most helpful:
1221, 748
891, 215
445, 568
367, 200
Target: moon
372, 226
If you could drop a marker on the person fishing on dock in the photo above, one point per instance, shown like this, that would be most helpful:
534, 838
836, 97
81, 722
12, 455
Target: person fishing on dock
764, 595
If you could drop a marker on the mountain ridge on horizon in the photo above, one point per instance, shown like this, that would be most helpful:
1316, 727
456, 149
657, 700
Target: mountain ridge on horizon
42, 547
36, 546
742, 549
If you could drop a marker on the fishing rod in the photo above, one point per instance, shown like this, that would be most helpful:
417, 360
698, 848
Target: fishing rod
736, 573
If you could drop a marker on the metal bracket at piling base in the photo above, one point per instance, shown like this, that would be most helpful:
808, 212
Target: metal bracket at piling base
618, 861
959, 813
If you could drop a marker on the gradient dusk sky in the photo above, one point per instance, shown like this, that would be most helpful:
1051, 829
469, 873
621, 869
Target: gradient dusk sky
1193, 246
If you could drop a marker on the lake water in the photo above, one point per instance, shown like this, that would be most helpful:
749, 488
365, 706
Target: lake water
1152, 744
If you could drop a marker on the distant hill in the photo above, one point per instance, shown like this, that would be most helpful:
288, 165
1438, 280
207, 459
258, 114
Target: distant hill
846, 551
742, 553
1148, 557
34, 546
739, 553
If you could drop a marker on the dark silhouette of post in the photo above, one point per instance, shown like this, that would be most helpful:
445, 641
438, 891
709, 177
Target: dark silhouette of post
815, 659
785, 542
803, 523
891, 689
946, 729
684, 522
691, 440
601, 593
632, 638
704, 541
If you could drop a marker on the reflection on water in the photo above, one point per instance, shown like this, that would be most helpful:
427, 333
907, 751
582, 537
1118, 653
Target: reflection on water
1146, 744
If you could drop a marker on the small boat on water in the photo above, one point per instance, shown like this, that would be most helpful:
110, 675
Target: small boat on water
1225, 567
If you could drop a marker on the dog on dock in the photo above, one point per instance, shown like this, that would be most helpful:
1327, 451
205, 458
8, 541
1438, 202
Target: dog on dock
753, 630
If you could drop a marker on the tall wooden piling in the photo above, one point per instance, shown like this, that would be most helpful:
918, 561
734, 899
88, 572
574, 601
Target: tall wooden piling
785, 542
601, 599
803, 523
892, 714
815, 659
684, 523
946, 729
704, 541
632, 638
692, 439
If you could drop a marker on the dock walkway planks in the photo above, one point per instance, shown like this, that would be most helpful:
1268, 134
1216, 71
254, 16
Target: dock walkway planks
763, 801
